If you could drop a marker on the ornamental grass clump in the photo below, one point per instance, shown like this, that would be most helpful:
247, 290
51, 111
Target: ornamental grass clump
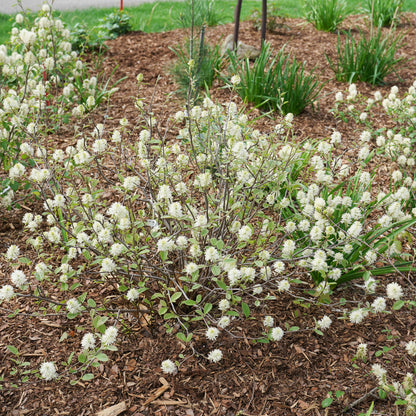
370, 58
326, 15
276, 83
384, 13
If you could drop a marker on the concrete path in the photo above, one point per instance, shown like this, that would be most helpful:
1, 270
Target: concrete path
10, 6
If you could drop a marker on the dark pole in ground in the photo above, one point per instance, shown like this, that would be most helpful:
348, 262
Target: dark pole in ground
263, 22
236, 23
237, 14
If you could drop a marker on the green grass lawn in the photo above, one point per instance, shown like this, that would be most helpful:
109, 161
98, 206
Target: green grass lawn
163, 16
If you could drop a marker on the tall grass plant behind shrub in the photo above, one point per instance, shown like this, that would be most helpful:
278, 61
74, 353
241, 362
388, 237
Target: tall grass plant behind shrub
370, 58
275, 18
198, 71
205, 12
384, 13
275, 83
326, 15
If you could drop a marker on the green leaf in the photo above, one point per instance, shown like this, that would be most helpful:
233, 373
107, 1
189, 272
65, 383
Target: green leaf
339, 393
86, 254
181, 336
327, 402
207, 308
221, 285
216, 270
13, 349
70, 357
170, 315
82, 358
398, 305
82, 298
102, 357
163, 310
246, 309
317, 331
382, 394
156, 295
73, 382
232, 313
91, 303
220, 244
189, 302
99, 321
164, 255
175, 296
64, 336
24, 260
111, 348
87, 377
387, 349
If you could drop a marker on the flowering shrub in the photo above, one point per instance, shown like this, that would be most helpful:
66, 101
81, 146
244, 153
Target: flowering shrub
43, 80
203, 229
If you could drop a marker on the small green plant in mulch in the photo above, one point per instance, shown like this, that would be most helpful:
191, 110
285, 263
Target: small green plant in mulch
109, 27
369, 58
84, 39
116, 24
196, 68
326, 15
275, 19
199, 13
275, 83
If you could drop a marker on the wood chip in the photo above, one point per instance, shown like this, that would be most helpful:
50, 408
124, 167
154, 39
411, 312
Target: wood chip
158, 392
170, 403
113, 410
50, 324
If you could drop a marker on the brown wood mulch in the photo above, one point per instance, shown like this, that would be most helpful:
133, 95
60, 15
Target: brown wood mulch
291, 377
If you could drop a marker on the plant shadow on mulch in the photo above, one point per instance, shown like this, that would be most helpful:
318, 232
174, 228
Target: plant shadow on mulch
290, 377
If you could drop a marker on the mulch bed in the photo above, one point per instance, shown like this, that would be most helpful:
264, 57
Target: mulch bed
291, 377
